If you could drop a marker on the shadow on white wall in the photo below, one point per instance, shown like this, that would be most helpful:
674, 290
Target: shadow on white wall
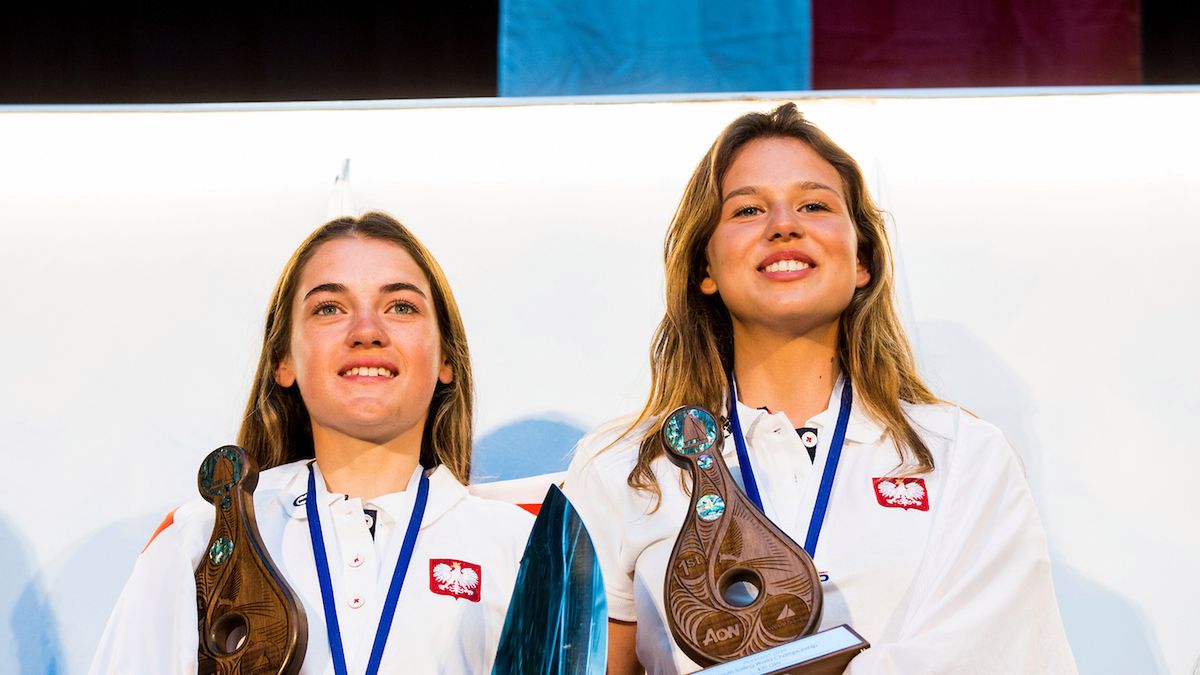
525, 447
34, 647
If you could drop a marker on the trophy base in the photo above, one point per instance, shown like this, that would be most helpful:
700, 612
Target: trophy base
824, 653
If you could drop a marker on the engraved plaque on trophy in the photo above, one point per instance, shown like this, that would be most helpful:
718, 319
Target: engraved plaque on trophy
738, 590
250, 620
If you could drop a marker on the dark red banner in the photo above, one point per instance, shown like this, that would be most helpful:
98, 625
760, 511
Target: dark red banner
864, 44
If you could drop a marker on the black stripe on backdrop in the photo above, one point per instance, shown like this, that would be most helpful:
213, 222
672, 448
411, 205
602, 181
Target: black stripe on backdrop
51, 52
1170, 42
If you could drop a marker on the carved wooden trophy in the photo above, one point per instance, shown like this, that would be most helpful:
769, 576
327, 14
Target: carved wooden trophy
250, 619
736, 585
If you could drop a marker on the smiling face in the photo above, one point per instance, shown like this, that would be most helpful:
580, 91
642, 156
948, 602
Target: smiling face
783, 255
365, 345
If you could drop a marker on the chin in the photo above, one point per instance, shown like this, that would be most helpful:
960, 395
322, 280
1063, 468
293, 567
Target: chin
376, 429
799, 321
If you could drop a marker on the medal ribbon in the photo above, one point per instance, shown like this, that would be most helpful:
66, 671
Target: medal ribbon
831, 462
336, 650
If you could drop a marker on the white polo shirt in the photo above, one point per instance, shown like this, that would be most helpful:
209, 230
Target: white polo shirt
948, 574
438, 627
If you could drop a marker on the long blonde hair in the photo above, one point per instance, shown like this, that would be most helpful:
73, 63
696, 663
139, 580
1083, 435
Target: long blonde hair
276, 428
693, 347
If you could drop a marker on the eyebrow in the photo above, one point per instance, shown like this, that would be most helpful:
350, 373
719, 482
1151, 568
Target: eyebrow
393, 287
805, 185
398, 286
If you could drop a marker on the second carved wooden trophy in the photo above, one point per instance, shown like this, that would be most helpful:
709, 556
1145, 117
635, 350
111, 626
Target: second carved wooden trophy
736, 584
250, 619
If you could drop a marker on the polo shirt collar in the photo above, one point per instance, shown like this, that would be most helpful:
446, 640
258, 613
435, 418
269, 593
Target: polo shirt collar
859, 429
444, 492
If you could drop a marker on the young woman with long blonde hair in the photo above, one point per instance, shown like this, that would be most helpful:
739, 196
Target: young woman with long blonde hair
779, 314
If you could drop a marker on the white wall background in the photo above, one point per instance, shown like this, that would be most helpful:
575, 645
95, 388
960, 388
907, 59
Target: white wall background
1047, 245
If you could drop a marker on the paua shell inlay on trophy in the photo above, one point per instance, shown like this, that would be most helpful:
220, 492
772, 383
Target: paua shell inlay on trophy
736, 584
250, 619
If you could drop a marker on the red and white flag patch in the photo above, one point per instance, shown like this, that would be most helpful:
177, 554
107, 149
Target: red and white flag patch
901, 493
455, 578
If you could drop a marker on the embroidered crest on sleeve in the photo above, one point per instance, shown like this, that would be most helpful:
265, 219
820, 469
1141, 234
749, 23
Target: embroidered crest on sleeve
455, 578
901, 493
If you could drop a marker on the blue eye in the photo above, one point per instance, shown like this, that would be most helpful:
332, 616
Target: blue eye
403, 307
747, 211
814, 207
325, 309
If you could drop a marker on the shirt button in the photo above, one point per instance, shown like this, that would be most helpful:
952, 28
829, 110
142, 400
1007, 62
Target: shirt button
355, 602
356, 561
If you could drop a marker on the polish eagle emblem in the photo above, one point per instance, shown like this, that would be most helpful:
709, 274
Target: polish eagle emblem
455, 578
905, 493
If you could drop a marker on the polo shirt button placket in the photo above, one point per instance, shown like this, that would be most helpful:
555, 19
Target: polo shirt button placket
356, 546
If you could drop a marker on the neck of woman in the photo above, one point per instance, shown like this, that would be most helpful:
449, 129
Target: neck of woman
363, 468
793, 374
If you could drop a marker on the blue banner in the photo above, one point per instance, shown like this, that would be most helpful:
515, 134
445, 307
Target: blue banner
568, 47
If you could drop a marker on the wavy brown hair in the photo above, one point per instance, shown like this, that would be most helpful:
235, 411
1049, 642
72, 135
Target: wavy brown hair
693, 346
276, 428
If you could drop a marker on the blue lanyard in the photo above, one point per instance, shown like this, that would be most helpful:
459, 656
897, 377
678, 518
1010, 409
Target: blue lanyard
393, 595
831, 463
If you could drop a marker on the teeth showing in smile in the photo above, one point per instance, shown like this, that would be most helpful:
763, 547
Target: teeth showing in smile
363, 371
786, 266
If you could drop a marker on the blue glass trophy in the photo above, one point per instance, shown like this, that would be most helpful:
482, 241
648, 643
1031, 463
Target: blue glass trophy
557, 622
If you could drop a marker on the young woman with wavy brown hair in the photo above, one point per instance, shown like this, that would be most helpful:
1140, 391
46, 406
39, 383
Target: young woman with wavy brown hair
779, 298
360, 417
276, 427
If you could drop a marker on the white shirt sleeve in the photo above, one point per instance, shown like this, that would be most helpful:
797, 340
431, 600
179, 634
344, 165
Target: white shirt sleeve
153, 628
982, 600
589, 483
